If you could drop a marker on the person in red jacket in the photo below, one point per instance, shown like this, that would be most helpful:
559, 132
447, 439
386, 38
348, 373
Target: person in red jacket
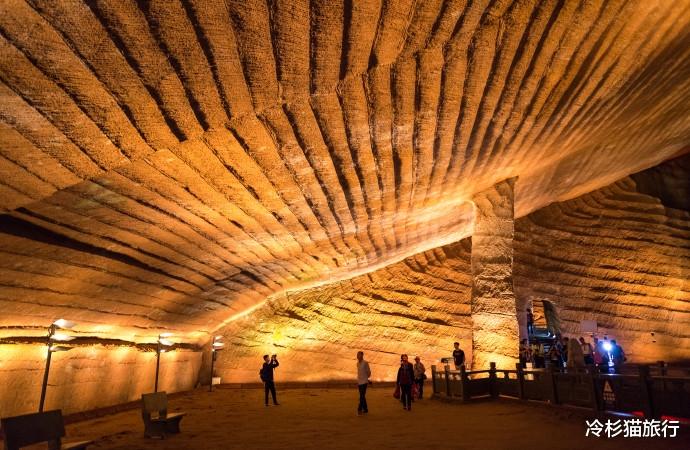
405, 380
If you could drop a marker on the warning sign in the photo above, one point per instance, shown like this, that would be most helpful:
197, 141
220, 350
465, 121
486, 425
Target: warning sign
608, 396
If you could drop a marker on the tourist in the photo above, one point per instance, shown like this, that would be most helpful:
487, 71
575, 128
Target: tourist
458, 356
617, 355
558, 343
601, 356
576, 359
267, 378
525, 354
587, 351
405, 379
555, 357
530, 322
419, 376
537, 351
363, 374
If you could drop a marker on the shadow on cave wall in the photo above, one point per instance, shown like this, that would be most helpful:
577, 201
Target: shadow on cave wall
669, 182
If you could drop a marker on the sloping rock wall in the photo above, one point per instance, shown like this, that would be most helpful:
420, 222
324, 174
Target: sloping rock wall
181, 161
170, 165
418, 306
616, 256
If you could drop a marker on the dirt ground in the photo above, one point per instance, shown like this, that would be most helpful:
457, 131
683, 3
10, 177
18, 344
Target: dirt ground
326, 418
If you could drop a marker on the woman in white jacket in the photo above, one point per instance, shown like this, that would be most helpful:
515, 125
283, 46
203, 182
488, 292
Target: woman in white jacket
419, 376
363, 374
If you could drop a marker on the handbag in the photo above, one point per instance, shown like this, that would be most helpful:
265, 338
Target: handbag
396, 393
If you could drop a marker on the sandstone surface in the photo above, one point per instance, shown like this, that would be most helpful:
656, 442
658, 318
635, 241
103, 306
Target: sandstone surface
616, 256
168, 165
199, 166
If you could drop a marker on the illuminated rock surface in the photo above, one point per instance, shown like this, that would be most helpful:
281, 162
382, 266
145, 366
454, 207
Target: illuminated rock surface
168, 166
618, 256
494, 310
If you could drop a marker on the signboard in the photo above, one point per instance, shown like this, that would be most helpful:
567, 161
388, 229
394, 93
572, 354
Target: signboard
608, 396
588, 326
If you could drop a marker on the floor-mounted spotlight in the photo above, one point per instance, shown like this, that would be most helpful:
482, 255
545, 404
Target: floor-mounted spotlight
215, 348
162, 347
54, 336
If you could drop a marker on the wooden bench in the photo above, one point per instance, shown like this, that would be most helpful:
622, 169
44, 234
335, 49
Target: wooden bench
35, 428
157, 421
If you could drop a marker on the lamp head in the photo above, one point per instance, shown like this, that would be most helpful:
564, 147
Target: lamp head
64, 324
59, 348
62, 337
217, 343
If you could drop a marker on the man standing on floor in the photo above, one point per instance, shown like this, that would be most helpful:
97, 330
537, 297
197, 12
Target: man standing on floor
363, 374
458, 356
267, 378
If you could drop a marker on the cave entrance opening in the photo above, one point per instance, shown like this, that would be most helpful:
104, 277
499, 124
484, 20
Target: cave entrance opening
546, 321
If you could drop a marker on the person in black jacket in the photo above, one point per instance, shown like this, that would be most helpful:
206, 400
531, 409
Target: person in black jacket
267, 377
405, 380
458, 356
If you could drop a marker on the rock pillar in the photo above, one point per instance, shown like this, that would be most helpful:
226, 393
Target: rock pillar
495, 336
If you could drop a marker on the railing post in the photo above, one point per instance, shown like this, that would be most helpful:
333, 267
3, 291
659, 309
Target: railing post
550, 378
434, 380
593, 389
662, 368
646, 394
493, 384
464, 384
521, 381
447, 370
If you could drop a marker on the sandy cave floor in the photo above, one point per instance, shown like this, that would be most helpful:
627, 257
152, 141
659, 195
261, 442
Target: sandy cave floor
326, 418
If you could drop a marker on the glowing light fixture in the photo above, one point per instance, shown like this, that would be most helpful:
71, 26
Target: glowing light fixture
607, 346
64, 324
59, 348
52, 337
62, 337
216, 346
160, 348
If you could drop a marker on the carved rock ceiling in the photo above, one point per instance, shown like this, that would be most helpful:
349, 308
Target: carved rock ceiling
169, 165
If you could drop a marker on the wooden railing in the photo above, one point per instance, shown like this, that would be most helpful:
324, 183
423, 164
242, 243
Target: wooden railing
649, 391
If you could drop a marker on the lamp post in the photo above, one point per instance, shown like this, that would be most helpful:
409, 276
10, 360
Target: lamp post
215, 348
162, 342
53, 336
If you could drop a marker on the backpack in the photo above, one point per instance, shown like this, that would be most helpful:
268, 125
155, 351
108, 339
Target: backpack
261, 374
